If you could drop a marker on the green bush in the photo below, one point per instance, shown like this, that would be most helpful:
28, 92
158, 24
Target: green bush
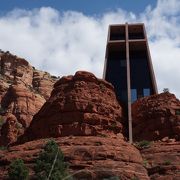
112, 178
3, 148
19, 125
167, 162
2, 110
18, 171
135, 178
114, 124
166, 90
143, 144
102, 135
145, 163
102, 87
50, 163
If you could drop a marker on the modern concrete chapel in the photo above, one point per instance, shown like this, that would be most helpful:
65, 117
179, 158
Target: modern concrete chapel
128, 65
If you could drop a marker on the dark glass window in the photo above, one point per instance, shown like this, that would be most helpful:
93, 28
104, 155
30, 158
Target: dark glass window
133, 95
123, 63
146, 92
136, 36
117, 36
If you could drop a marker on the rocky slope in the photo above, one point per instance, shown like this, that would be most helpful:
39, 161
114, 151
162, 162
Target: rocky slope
85, 117
162, 160
156, 117
23, 90
89, 157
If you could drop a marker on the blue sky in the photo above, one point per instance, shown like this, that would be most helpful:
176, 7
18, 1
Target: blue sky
63, 36
88, 7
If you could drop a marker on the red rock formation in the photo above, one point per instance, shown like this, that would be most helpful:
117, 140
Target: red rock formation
85, 116
23, 90
43, 83
156, 117
15, 70
79, 105
10, 130
89, 157
162, 160
22, 104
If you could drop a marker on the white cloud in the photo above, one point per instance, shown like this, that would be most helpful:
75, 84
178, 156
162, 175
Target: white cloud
64, 42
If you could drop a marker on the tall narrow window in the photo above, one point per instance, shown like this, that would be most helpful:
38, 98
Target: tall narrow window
146, 92
133, 95
123, 63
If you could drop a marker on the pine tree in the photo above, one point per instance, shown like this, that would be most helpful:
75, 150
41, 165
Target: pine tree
17, 170
50, 163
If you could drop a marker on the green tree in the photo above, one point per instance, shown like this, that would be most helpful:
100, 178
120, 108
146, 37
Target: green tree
17, 170
50, 164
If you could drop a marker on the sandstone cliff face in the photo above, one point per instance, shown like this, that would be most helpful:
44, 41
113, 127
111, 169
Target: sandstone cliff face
156, 117
85, 117
79, 105
21, 95
162, 160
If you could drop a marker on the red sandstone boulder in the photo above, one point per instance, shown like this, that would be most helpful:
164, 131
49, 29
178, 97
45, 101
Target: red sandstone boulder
23, 90
11, 129
156, 117
80, 105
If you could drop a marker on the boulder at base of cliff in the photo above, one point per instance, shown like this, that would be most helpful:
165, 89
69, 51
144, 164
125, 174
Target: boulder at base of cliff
156, 117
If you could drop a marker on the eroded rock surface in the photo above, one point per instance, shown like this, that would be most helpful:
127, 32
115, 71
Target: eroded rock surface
79, 105
23, 90
156, 117
89, 157
85, 117
162, 160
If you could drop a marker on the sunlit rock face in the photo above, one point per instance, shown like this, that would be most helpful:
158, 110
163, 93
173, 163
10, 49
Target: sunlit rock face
23, 91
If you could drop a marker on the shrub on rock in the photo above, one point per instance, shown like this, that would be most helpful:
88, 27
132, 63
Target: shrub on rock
50, 163
18, 171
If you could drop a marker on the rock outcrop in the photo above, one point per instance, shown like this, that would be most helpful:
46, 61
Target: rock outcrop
162, 160
85, 117
156, 117
79, 105
15, 70
89, 157
23, 90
